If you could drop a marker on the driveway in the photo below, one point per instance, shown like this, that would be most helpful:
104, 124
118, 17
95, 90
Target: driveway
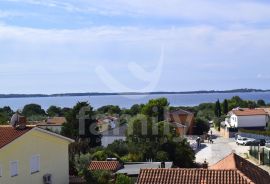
221, 148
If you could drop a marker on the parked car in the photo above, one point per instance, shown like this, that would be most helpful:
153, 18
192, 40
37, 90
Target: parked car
244, 141
256, 142
262, 142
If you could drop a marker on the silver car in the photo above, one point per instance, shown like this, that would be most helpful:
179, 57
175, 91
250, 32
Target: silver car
244, 140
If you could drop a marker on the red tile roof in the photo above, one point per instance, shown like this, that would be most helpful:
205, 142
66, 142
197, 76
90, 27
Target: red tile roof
105, 165
250, 170
231, 170
9, 134
248, 112
180, 112
192, 176
54, 121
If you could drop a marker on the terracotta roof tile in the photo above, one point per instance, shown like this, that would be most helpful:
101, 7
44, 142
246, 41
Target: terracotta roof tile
105, 165
249, 112
194, 176
9, 134
55, 121
250, 170
180, 112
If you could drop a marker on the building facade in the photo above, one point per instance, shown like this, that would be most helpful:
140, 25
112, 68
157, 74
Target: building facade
247, 118
33, 155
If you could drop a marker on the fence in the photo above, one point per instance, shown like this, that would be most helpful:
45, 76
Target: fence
264, 155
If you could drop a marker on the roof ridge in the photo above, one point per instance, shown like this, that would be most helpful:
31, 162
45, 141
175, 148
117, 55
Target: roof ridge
231, 154
9, 126
244, 176
105, 161
193, 175
190, 169
9, 134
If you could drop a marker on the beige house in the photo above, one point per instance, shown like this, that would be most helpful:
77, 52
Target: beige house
53, 124
182, 120
33, 155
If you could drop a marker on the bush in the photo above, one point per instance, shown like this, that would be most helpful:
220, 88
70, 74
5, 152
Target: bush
102, 177
81, 162
162, 156
202, 125
180, 153
98, 177
119, 147
133, 157
123, 179
103, 155
258, 132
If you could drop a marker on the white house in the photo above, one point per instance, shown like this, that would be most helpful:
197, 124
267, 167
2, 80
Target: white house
247, 118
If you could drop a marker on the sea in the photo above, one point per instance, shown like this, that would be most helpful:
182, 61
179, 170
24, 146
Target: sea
128, 100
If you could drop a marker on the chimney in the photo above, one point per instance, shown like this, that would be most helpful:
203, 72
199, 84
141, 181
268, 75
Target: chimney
21, 123
163, 165
205, 164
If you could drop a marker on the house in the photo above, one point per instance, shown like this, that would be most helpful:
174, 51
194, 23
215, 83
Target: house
247, 118
118, 133
232, 169
267, 110
248, 169
182, 120
107, 123
130, 169
53, 124
29, 154
194, 176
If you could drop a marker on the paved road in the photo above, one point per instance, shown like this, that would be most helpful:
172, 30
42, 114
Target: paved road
221, 147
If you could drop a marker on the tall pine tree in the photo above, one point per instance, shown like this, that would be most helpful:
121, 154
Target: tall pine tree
217, 109
225, 107
71, 129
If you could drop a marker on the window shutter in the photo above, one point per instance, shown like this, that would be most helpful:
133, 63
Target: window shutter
13, 168
1, 174
35, 164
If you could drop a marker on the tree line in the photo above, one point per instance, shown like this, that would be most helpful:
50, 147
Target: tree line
139, 146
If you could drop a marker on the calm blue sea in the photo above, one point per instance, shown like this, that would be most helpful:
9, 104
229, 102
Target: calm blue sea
128, 101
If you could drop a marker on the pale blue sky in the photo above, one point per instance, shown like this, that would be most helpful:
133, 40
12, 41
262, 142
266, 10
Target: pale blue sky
55, 46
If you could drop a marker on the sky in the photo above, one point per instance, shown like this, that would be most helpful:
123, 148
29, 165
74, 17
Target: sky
55, 46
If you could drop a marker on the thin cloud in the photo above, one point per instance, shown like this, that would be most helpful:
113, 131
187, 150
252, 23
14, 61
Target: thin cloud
221, 42
198, 10
203, 52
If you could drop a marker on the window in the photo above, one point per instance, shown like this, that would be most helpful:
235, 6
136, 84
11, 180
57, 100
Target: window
14, 168
1, 174
35, 164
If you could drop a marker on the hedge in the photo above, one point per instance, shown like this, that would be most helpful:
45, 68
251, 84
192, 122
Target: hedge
258, 132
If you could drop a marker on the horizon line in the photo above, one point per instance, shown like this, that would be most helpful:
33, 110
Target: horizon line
130, 93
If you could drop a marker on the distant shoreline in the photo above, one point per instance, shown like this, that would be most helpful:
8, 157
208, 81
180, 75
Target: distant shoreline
129, 93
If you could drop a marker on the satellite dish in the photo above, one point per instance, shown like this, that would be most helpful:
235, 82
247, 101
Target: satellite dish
14, 120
